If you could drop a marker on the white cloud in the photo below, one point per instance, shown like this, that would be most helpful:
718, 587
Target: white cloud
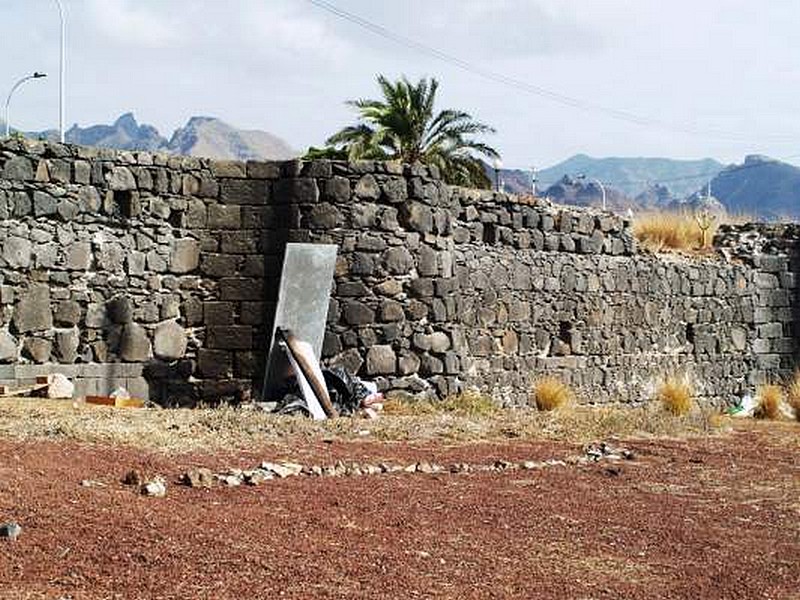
134, 24
277, 27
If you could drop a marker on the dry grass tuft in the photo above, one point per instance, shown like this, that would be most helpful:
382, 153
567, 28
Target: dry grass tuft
550, 393
407, 406
793, 394
769, 402
467, 403
659, 231
676, 395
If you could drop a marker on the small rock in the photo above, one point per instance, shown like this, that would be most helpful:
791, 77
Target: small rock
530, 465
257, 477
229, 480
282, 470
198, 478
92, 483
156, 488
612, 471
503, 465
10, 530
133, 477
58, 386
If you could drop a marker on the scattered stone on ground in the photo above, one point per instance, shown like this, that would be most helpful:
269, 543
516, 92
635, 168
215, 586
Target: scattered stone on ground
202, 477
10, 531
156, 487
92, 483
133, 477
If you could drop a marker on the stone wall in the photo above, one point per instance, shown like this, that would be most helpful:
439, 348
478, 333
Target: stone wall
444, 288
160, 273
147, 271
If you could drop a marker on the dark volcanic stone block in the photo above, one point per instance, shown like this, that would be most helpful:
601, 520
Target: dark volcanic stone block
232, 337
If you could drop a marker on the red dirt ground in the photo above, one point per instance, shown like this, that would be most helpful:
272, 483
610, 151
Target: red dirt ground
705, 518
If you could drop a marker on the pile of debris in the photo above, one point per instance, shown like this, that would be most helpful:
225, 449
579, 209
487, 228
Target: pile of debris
304, 387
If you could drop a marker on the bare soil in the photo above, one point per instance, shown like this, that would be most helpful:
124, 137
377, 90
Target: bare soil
708, 517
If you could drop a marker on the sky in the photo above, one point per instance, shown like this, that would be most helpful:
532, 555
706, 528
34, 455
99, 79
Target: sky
691, 79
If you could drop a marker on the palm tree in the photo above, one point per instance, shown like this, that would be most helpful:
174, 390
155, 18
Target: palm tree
402, 126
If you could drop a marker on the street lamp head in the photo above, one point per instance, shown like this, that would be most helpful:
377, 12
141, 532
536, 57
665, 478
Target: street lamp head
497, 163
38, 75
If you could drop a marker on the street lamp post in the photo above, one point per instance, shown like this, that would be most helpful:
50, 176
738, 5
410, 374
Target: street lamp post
599, 183
35, 75
533, 182
61, 70
498, 164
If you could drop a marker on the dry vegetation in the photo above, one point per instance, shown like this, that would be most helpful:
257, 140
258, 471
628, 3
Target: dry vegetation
468, 403
661, 231
769, 402
229, 429
550, 393
675, 394
793, 394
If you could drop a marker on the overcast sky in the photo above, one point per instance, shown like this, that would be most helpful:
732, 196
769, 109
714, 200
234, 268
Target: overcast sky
729, 70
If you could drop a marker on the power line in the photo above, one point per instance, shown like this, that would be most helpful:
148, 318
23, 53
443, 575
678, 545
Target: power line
529, 88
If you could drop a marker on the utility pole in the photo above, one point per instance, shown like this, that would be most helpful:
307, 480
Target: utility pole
61, 70
498, 164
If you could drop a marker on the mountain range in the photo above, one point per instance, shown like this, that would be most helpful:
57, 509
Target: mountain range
630, 176
759, 187
201, 136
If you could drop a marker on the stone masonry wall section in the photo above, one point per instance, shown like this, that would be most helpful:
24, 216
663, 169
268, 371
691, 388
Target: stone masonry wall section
160, 273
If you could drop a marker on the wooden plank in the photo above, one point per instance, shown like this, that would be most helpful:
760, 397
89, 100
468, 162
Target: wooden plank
116, 402
25, 391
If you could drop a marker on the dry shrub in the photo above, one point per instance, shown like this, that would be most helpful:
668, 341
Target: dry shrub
675, 395
550, 393
793, 393
769, 402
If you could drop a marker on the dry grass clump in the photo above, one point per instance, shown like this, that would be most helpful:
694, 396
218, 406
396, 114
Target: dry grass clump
407, 406
550, 393
659, 231
675, 395
793, 394
467, 403
769, 402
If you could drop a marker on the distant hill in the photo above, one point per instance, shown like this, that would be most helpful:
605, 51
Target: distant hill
206, 136
201, 136
583, 192
124, 134
631, 176
761, 187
